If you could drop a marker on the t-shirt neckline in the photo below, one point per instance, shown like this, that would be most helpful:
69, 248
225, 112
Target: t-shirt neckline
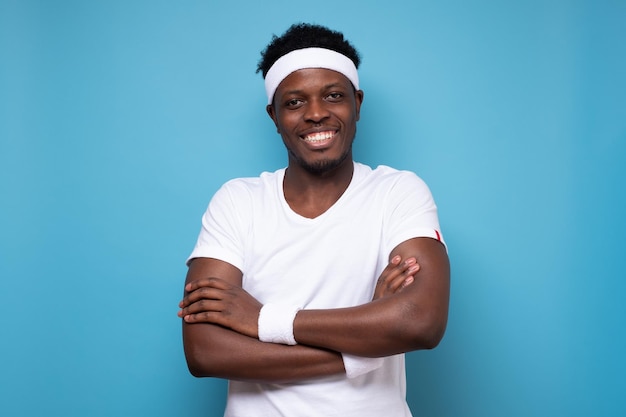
357, 174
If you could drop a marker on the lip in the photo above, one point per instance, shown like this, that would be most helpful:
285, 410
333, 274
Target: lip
326, 137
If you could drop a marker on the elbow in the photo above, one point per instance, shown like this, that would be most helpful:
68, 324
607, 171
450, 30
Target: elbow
430, 338
425, 332
432, 328
203, 359
199, 364
423, 338
200, 369
209, 351
196, 367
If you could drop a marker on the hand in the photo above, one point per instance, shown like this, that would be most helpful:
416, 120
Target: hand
213, 300
395, 277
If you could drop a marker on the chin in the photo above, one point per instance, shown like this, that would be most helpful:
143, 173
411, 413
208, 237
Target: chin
325, 165
320, 166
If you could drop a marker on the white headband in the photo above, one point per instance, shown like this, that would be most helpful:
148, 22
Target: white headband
308, 58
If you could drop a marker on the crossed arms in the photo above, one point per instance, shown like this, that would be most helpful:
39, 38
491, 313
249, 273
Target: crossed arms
408, 312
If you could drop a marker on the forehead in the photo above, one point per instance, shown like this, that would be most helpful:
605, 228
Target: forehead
312, 79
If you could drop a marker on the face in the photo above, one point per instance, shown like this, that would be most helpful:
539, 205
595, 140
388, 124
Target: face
315, 111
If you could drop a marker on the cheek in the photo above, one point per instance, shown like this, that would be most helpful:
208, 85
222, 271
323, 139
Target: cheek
286, 123
351, 117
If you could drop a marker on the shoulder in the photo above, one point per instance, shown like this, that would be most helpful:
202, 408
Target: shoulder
391, 178
250, 187
235, 201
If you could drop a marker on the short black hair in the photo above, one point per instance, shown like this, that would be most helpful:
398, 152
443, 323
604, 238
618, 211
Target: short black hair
305, 35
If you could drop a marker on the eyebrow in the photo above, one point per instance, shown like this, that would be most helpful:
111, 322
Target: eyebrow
326, 87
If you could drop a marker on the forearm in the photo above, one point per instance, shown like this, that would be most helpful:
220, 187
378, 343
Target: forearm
379, 328
214, 351
412, 319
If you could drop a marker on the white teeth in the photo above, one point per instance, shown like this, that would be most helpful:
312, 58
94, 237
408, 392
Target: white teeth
318, 137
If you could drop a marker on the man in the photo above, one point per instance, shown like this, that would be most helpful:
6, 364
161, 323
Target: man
307, 285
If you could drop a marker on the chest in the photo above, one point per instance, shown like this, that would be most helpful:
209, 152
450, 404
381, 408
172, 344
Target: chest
331, 261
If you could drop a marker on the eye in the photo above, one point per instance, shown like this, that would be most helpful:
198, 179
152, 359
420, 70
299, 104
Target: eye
334, 96
293, 103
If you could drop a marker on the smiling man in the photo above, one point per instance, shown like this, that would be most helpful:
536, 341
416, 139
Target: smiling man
307, 285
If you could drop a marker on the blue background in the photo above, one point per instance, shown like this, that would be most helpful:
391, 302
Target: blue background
119, 119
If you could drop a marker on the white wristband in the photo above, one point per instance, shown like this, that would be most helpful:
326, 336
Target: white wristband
359, 365
276, 324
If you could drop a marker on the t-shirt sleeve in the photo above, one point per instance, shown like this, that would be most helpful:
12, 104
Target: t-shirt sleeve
221, 232
411, 211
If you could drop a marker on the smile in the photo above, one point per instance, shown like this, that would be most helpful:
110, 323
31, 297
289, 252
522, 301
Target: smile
318, 137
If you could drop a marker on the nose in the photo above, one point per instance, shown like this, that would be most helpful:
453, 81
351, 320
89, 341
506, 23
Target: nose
316, 111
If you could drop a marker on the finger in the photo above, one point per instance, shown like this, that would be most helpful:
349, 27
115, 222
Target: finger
391, 270
203, 293
408, 262
404, 266
403, 279
408, 281
202, 282
211, 282
204, 317
395, 260
398, 270
202, 306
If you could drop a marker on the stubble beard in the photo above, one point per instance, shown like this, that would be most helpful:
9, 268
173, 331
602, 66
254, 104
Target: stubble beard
323, 166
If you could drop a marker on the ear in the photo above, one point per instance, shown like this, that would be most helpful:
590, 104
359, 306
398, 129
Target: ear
358, 100
272, 113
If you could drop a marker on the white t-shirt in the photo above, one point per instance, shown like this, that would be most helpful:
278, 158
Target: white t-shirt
330, 261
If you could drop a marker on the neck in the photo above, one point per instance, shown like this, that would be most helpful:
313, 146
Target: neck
311, 194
